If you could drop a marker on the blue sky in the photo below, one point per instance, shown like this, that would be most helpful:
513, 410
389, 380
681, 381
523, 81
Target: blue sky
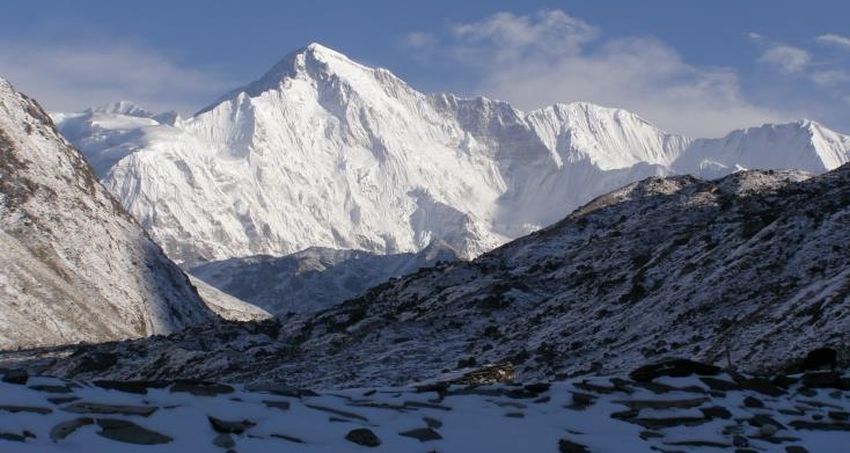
700, 68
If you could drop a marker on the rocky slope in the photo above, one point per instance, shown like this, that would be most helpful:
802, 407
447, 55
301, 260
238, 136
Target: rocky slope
750, 269
313, 279
74, 266
325, 152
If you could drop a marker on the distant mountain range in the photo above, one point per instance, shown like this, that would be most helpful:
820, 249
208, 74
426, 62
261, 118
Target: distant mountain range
322, 151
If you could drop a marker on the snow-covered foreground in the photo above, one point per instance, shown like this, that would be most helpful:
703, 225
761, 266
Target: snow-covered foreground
695, 413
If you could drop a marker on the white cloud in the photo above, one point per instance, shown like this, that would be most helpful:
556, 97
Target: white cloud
548, 57
419, 40
72, 77
787, 58
838, 40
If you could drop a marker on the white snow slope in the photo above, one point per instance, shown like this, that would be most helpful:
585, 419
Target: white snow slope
323, 151
74, 266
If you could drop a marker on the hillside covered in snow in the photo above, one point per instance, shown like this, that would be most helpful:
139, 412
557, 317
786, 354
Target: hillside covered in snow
750, 269
74, 266
322, 151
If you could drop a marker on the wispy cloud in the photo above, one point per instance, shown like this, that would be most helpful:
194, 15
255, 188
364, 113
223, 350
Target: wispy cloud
69, 77
833, 39
539, 59
787, 58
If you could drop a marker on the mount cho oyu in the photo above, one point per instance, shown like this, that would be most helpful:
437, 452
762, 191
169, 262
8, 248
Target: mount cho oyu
322, 151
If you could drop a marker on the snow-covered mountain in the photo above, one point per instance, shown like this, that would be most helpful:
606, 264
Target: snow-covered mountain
322, 151
313, 279
74, 266
752, 268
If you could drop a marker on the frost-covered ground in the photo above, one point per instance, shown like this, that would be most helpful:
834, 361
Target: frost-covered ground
710, 412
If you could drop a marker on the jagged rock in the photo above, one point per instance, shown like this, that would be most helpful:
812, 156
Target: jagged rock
230, 427
422, 434
18, 377
820, 358
363, 436
129, 432
224, 441
758, 384
673, 368
84, 407
568, 446
66, 428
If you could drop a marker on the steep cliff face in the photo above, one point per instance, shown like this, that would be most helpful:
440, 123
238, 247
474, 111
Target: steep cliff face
74, 266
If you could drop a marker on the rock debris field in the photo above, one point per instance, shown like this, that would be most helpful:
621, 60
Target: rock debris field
679, 406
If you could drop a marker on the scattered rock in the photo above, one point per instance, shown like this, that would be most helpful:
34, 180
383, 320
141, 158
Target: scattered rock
137, 387
720, 384
753, 402
201, 388
282, 405
30, 409
280, 390
663, 404
716, 412
795, 449
758, 384
839, 415
432, 422
129, 432
817, 426
422, 434
18, 377
341, 413
825, 379
65, 429
224, 441
582, 400
673, 368
230, 427
363, 436
820, 358
13, 437
740, 441
62, 399
83, 407
285, 437
568, 446
52, 388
